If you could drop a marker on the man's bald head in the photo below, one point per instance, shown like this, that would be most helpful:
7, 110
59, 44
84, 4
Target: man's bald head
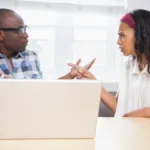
12, 38
4, 12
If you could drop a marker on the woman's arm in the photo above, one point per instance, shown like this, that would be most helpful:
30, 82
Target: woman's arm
109, 100
144, 112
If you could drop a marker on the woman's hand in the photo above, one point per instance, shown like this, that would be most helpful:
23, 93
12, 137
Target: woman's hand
144, 112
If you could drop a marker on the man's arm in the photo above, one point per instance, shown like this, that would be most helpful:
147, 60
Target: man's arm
72, 74
67, 76
3, 76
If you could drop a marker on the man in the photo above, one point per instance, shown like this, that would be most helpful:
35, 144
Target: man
15, 61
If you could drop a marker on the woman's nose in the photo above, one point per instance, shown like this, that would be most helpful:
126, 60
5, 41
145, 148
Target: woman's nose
119, 41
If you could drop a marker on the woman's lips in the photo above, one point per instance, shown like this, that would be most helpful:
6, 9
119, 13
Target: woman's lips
121, 49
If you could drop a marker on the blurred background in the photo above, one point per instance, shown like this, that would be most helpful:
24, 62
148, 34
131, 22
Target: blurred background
62, 31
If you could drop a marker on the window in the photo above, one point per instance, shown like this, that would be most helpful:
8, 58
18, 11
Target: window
64, 33
90, 38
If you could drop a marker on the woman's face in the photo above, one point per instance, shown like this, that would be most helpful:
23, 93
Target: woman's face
126, 40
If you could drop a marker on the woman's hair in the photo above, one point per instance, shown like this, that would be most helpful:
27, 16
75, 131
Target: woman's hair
142, 34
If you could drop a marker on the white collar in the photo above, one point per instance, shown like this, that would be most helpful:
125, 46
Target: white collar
136, 70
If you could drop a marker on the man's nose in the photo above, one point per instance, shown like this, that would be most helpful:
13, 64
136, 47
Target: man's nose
25, 35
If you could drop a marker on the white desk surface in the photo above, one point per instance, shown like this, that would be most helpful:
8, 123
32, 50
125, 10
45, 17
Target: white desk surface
112, 134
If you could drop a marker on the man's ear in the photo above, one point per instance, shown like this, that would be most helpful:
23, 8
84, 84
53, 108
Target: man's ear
1, 36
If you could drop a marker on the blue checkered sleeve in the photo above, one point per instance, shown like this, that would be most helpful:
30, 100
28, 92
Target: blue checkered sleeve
26, 66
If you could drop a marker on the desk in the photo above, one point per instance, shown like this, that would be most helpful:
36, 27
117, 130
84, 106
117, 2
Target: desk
123, 134
112, 134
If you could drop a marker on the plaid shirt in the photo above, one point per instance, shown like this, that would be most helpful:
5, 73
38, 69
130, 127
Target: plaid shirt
26, 66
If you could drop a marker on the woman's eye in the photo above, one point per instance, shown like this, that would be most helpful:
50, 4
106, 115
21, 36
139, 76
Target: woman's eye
122, 37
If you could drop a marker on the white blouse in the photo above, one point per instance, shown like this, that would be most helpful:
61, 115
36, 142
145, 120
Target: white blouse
134, 89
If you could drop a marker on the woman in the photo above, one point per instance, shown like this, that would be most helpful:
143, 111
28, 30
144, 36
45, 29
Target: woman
134, 39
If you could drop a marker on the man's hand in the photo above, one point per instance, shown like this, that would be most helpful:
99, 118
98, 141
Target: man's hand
73, 73
74, 70
82, 72
144, 112
3, 76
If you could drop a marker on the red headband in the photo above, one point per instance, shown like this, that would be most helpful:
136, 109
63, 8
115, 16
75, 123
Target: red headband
129, 20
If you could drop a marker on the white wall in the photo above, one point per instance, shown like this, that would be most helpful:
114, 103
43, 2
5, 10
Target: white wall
138, 4
85, 2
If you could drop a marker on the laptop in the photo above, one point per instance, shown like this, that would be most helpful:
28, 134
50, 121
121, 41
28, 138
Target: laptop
49, 109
